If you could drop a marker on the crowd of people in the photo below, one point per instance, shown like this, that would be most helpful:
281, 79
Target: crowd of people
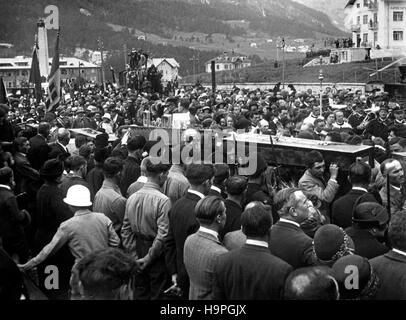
117, 224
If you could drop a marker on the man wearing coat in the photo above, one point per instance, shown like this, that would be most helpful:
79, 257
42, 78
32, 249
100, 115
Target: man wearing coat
313, 183
182, 223
288, 240
251, 272
203, 248
391, 267
58, 148
38, 153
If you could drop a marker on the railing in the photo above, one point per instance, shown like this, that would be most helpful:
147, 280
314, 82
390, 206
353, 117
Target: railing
356, 28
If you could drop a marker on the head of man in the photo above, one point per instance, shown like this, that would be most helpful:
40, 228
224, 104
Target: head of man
63, 136
112, 168
397, 231
311, 283
292, 204
399, 115
156, 171
21, 144
339, 115
394, 170
211, 212
316, 111
221, 174
200, 176
319, 125
78, 198
383, 113
7, 177
359, 174
373, 217
236, 187
136, 143
315, 164
44, 129
105, 275
256, 221
77, 164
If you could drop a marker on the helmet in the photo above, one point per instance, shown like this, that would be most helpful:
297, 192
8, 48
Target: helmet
78, 196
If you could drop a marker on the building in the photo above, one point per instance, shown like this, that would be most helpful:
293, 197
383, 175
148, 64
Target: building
379, 24
16, 71
228, 62
168, 66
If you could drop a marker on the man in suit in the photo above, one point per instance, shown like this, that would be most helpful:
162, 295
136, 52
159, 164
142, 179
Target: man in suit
236, 187
58, 148
288, 240
342, 210
117, 119
203, 248
38, 152
370, 223
391, 267
397, 192
131, 166
182, 223
221, 174
313, 183
264, 274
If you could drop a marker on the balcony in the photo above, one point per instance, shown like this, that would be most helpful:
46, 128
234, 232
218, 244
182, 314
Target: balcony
356, 28
373, 25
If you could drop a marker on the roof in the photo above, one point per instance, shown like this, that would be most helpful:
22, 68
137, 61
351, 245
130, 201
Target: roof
157, 61
223, 60
350, 3
21, 63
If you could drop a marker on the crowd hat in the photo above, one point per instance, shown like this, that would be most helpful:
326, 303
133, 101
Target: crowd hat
368, 282
52, 168
78, 196
107, 116
370, 213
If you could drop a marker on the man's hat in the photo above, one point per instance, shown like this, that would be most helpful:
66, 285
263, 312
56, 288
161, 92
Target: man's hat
370, 213
52, 168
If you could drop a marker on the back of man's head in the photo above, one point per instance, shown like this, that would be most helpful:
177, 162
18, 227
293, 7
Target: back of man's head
312, 283
112, 166
221, 173
236, 185
256, 220
102, 273
154, 167
385, 164
136, 143
44, 128
75, 162
196, 174
397, 230
360, 173
208, 208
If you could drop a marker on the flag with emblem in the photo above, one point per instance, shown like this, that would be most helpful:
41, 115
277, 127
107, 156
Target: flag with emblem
35, 75
54, 82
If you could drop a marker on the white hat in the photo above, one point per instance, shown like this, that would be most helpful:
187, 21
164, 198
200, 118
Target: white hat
107, 116
78, 196
263, 123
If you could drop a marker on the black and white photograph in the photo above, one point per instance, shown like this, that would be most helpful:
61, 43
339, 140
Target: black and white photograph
179, 151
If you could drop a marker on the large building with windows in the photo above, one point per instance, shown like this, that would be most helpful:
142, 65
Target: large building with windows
378, 24
228, 62
16, 71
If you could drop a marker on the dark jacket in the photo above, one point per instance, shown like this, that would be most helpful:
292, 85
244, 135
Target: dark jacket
341, 213
366, 245
38, 153
233, 218
130, 173
291, 244
182, 223
250, 273
27, 179
11, 281
255, 193
391, 270
95, 179
57, 152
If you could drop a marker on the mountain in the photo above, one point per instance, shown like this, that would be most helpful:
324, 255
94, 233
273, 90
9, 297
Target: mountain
84, 21
333, 8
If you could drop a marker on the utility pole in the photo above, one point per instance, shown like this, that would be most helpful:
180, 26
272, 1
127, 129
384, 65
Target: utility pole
125, 65
194, 59
321, 78
100, 42
283, 63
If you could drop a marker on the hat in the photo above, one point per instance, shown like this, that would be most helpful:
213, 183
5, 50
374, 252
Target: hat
263, 122
206, 108
80, 110
107, 116
78, 196
367, 280
51, 169
242, 123
370, 213
101, 141
331, 243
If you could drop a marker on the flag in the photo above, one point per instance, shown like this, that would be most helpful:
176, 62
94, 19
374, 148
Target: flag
54, 82
3, 92
112, 73
35, 75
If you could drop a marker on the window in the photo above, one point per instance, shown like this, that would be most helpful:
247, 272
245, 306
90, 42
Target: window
64, 71
397, 35
218, 67
9, 84
375, 36
24, 73
365, 38
366, 3
397, 15
358, 20
358, 5
365, 19
375, 18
